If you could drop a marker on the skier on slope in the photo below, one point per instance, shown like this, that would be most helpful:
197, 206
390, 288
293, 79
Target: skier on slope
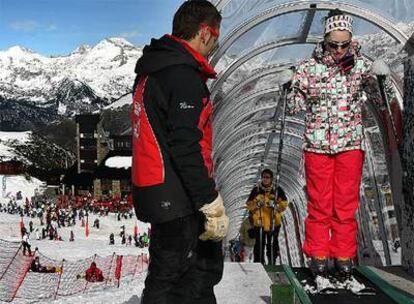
26, 243
93, 274
332, 88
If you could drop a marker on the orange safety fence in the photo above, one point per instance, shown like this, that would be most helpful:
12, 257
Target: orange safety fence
60, 278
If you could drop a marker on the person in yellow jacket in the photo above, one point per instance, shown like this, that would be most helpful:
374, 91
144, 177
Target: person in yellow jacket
262, 203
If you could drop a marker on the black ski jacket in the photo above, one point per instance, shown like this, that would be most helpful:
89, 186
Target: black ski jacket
171, 132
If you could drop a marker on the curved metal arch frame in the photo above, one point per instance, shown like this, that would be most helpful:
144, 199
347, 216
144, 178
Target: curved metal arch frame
292, 165
289, 169
257, 50
292, 168
242, 148
222, 107
239, 138
237, 116
290, 7
254, 95
219, 105
244, 151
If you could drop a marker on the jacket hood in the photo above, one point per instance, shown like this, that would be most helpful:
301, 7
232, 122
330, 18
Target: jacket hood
322, 55
168, 51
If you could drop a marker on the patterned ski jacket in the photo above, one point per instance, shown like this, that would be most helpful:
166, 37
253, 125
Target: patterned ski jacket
332, 94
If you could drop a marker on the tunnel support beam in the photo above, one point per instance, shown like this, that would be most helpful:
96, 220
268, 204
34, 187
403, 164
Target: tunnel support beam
407, 233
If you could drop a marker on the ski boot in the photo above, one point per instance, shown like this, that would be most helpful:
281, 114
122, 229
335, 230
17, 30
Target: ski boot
319, 266
321, 281
344, 268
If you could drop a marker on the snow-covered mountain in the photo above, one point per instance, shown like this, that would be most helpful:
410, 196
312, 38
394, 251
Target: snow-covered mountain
382, 46
87, 79
398, 9
25, 147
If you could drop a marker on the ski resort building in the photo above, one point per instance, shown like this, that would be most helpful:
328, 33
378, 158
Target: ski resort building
95, 147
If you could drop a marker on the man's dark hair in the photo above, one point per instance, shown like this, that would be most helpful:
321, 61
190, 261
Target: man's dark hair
191, 14
267, 171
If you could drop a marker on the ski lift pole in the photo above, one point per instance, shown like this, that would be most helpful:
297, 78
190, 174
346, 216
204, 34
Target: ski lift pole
286, 81
261, 236
382, 71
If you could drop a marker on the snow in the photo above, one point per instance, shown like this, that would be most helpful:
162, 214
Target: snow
27, 185
82, 248
18, 136
107, 68
9, 138
124, 100
119, 162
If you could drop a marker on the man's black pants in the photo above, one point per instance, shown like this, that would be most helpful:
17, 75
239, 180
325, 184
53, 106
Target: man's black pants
182, 268
266, 243
27, 247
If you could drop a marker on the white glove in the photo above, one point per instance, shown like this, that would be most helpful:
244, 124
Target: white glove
217, 222
215, 228
214, 209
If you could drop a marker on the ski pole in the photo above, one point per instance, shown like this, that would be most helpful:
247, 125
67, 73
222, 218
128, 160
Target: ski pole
382, 71
261, 235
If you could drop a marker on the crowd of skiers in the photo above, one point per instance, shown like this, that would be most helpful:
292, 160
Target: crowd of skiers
51, 216
140, 240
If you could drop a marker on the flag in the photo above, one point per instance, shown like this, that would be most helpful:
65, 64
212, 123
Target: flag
21, 224
136, 229
118, 268
87, 227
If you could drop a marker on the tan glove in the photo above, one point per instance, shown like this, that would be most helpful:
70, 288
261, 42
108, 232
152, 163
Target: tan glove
217, 222
215, 228
214, 209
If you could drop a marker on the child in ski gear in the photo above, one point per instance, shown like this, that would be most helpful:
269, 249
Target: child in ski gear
37, 267
261, 203
37, 233
93, 274
72, 236
96, 223
26, 243
172, 170
331, 87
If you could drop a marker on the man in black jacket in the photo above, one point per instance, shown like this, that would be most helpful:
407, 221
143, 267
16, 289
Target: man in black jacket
173, 186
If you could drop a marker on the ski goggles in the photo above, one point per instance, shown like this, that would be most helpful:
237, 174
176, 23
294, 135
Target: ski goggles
337, 45
212, 31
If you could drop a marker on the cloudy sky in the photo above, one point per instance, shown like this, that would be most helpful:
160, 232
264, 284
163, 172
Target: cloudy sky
56, 27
